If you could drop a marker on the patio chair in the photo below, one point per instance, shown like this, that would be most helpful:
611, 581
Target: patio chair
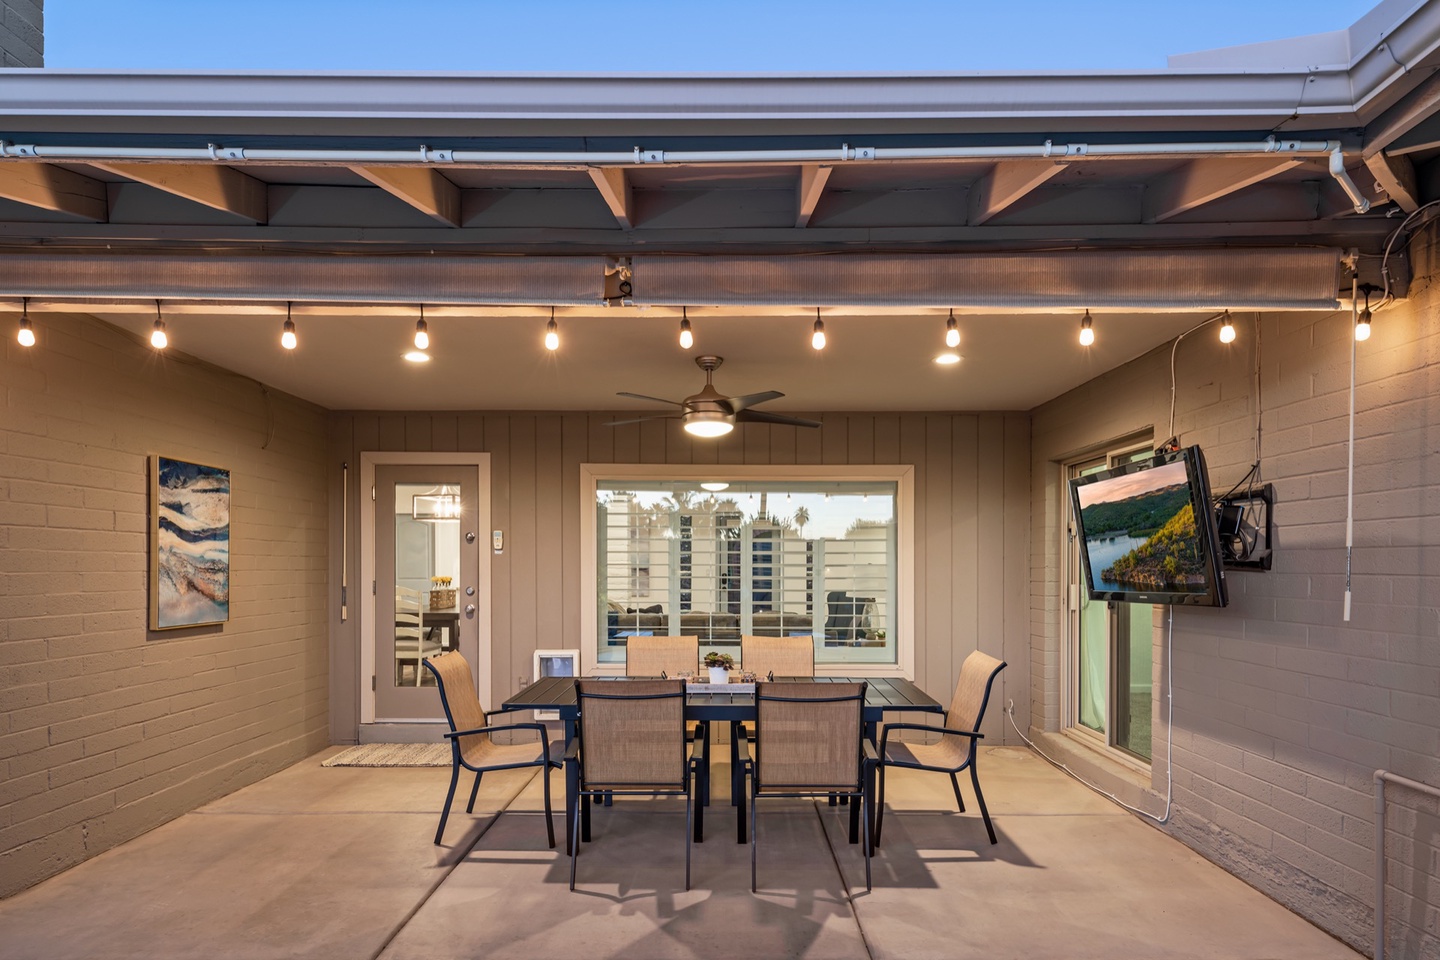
809, 742
661, 656
631, 741
471, 742
959, 738
771, 657
412, 640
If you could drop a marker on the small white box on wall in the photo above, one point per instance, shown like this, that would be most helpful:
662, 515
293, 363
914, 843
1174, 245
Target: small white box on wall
555, 663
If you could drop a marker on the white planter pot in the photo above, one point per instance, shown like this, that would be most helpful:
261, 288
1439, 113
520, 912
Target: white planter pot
719, 675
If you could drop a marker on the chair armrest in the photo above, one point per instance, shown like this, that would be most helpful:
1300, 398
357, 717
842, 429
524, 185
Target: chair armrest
944, 731
572, 749
537, 727
867, 747
697, 742
742, 745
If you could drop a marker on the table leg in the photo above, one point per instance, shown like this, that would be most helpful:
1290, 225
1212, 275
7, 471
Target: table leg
572, 787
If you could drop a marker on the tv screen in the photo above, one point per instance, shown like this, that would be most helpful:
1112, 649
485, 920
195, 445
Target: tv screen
1147, 532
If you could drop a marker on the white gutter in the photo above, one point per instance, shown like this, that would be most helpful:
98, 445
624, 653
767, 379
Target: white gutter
1330, 149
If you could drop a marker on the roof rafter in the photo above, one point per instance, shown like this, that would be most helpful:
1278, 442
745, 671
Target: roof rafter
50, 187
210, 184
619, 195
424, 188
1201, 181
1006, 184
813, 177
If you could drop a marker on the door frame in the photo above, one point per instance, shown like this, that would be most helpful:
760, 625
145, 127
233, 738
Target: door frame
369, 459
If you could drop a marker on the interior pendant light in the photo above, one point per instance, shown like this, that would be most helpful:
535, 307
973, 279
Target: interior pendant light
817, 339
1362, 322
422, 331
287, 333
952, 332
1227, 330
687, 337
1087, 330
158, 339
552, 333
26, 336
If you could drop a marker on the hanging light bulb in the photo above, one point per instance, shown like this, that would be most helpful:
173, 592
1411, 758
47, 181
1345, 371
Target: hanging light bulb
687, 338
158, 340
817, 339
26, 336
1362, 322
1227, 330
287, 333
422, 331
552, 333
952, 332
1087, 331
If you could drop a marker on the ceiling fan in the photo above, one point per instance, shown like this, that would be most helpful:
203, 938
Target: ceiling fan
710, 413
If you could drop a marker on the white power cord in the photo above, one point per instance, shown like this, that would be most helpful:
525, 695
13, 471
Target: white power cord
1169, 736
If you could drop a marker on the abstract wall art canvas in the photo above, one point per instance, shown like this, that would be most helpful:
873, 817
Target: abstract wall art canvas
189, 544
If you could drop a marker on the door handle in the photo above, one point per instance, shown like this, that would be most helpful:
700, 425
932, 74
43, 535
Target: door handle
469, 609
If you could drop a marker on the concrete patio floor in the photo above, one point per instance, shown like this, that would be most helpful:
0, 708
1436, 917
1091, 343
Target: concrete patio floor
338, 862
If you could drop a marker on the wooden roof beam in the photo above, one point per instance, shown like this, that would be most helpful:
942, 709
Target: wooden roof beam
209, 184
619, 196
813, 177
1201, 181
424, 188
50, 187
1006, 184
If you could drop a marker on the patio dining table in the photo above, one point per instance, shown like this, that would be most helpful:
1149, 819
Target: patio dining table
882, 695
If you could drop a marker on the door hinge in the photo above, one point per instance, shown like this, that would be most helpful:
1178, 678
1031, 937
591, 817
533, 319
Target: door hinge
372, 683
372, 588
372, 493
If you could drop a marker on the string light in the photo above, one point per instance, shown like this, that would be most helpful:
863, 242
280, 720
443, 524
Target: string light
687, 338
817, 339
552, 333
287, 332
158, 339
1087, 330
952, 332
422, 331
1362, 322
26, 336
1227, 330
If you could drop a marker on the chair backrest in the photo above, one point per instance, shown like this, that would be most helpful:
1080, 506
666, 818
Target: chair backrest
778, 656
409, 612
632, 732
808, 735
457, 695
652, 656
972, 692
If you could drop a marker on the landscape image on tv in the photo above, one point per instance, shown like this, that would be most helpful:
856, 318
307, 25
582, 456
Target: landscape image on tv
1140, 532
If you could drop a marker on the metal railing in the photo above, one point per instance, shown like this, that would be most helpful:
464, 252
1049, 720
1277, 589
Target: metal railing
1381, 778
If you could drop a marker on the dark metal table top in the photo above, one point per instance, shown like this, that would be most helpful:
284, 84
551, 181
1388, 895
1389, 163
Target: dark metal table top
881, 694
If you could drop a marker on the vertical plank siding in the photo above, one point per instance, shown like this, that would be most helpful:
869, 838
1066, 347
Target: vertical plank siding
972, 538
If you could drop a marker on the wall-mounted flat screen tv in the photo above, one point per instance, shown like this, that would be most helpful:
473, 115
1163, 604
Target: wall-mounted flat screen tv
1147, 532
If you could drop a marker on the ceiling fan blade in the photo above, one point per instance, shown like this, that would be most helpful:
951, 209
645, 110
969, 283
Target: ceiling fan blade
759, 416
641, 396
751, 399
622, 423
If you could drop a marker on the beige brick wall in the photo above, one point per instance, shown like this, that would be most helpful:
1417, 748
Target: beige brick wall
1283, 710
22, 33
108, 730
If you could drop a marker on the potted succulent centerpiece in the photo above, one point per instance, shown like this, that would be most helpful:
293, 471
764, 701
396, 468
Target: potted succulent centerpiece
719, 665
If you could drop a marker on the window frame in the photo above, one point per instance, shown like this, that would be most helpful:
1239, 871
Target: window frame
902, 475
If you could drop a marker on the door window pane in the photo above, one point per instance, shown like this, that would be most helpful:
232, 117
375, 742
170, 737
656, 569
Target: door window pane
759, 558
427, 569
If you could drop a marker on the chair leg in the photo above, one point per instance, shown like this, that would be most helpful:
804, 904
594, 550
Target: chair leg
449, 796
474, 791
753, 805
864, 800
585, 802
549, 819
879, 805
690, 808
574, 847
984, 813
955, 782
854, 821
572, 792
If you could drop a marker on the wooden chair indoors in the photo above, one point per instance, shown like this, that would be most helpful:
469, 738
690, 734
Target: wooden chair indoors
809, 742
959, 740
412, 643
471, 743
772, 657
631, 741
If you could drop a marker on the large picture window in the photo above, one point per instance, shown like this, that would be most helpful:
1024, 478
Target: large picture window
721, 555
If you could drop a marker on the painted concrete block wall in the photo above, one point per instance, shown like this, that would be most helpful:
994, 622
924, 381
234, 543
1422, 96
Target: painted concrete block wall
972, 502
22, 33
106, 729
1282, 709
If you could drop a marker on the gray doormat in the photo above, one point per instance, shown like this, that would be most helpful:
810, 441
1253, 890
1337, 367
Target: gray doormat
392, 755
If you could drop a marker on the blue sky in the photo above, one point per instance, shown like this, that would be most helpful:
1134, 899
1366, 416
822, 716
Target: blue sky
649, 36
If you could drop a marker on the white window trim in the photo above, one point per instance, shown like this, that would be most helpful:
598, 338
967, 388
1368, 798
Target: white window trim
902, 475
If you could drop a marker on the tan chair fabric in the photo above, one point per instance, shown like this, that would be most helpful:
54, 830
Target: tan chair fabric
630, 744
652, 656
964, 713
778, 656
477, 750
808, 746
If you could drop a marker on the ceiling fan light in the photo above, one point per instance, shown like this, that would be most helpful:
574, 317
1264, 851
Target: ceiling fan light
708, 423
714, 486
